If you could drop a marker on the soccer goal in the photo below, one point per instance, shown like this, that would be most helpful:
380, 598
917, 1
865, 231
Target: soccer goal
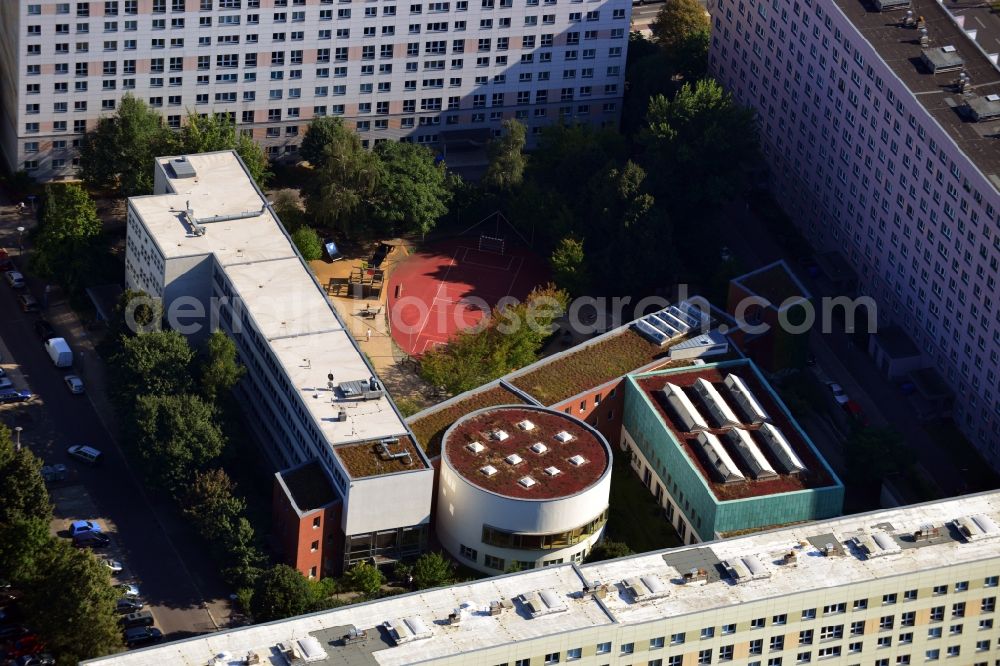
491, 244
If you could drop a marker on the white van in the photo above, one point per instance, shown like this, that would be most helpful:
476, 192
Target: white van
59, 351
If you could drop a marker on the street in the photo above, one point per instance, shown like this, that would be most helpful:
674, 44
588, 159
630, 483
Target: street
56, 419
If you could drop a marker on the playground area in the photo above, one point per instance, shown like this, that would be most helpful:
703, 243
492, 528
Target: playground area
449, 286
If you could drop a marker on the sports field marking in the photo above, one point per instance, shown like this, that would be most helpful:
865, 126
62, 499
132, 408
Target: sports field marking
470, 262
514, 279
441, 283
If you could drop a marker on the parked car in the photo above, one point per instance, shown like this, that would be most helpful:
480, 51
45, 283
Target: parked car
15, 279
13, 632
138, 619
127, 589
55, 472
91, 540
5, 263
59, 351
28, 644
838, 393
74, 384
27, 302
44, 330
129, 605
10, 395
113, 565
81, 526
40, 659
85, 453
142, 635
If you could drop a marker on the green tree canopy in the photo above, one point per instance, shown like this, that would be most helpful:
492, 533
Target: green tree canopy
569, 269
608, 550
321, 132
219, 368
119, 153
281, 592
210, 132
364, 578
344, 181
24, 494
414, 190
289, 209
175, 435
432, 570
307, 241
72, 604
66, 234
679, 20
507, 159
157, 363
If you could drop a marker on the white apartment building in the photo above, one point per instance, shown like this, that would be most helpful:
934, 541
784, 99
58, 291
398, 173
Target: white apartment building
880, 129
906, 586
208, 244
442, 73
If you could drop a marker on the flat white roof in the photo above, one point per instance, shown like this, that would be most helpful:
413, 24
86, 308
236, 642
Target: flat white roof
275, 286
811, 571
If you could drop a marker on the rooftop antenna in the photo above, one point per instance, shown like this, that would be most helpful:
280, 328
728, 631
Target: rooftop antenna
924, 39
908, 20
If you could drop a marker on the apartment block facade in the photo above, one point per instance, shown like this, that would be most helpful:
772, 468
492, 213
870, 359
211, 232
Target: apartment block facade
441, 73
879, 130
907, 586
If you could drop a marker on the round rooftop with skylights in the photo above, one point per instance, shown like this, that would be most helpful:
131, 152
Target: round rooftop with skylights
528, 453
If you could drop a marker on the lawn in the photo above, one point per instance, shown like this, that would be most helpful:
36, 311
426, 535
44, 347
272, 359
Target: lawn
634, 516
429, 429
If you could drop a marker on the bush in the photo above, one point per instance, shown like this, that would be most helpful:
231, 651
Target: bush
307, 240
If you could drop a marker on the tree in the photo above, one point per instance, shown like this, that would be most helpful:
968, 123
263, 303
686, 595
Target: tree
307, 241
24, 494
873, 453
345, 180
119, 153
136, 312
321, 132
72, 604
289, 209
22, 543
413, 192
608, 550
157, 363
364, 578
219, 369
679, 20
215, 131
569, 268
507, 160
175, 435
432, 570
281, 592
66, 234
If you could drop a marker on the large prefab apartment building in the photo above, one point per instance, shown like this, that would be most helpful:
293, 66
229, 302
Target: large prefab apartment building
880, 122
442, 73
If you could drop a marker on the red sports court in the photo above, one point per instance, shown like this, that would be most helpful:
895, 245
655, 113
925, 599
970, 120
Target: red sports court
445, 287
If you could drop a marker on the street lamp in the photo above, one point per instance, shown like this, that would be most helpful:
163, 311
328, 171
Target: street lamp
20, 240
17, 442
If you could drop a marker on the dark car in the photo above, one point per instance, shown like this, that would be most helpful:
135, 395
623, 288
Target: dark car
40, 659
5, 263
129, 605
12, 631
13, 395
137, 619
142, 635
91, 540
28, 302
44, 330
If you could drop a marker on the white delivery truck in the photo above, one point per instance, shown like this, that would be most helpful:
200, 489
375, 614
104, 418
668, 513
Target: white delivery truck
59, 351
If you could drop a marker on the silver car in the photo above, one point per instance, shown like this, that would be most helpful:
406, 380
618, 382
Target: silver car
15, 279
74, 384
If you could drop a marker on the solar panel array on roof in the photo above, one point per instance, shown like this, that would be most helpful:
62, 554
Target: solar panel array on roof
721, 412
781, 449
671, 322
745, 398
751, 454
718, 459
686, 411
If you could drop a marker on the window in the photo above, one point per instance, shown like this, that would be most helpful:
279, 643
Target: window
466, 552
726, 652
777, 643
780, 619
551, 658
888, 599
677, 639
656, 643
604, 648
705, 657
495, 563
707, 632
809, 614
757, 623
573, 654
628, 648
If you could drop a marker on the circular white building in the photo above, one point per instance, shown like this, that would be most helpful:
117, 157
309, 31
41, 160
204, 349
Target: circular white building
521, 487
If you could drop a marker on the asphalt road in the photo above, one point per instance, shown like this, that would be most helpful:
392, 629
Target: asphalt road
59, 419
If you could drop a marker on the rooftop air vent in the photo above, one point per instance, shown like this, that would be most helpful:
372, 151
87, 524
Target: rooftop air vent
527, 481
488, 470
499, 435
475, 447
577, 460
539, 448
514, 459
526, 425
553, 471
563, 436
